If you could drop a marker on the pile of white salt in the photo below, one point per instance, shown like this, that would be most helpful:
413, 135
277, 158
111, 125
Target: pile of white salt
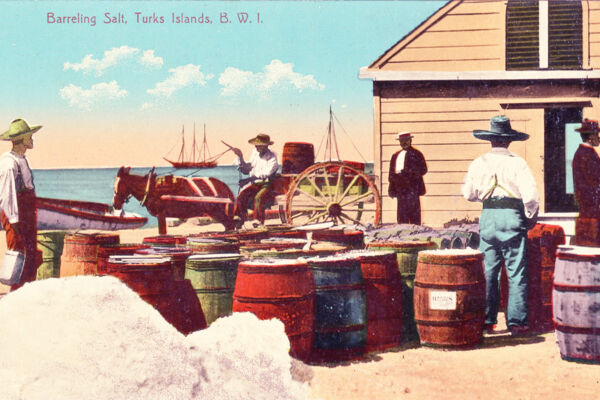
93, 338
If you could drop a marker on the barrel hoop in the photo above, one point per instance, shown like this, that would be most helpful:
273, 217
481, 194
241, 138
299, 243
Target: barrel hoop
450, 322
574, 288
308, 334
454, 286
273, 300
577, 257
341, 329
234, 268
215, 290
444, 260
575, 329
340, 288
285, 269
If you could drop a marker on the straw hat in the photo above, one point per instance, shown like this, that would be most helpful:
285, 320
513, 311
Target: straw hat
261, 138
19, 128
500, 129
404, 135
588, 126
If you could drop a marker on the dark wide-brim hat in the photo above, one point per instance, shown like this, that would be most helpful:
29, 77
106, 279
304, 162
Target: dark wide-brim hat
19, 128
261, 138
588, 126
501, 130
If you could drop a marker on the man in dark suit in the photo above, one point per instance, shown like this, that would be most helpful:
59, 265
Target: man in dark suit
407, 168
586, 171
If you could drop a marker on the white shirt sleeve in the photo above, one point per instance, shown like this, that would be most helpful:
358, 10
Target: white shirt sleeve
528, 190
469, 188
263, 167
8, 188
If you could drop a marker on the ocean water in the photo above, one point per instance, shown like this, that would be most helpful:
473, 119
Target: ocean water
96, 184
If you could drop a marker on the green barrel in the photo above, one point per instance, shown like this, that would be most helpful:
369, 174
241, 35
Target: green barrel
407, 253
213, 279
50, 243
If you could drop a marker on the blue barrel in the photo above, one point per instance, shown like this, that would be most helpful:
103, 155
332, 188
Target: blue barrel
340, 309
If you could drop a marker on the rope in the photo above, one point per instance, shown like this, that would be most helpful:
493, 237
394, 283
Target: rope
353, 145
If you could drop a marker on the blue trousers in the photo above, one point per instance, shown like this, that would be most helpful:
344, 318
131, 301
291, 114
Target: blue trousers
503, 238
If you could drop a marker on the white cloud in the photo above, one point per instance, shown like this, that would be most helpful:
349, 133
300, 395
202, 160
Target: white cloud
85, 98
148, 59
276, 74
182, 76
113, 57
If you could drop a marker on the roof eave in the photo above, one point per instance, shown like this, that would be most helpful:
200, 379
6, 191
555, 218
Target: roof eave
378, 75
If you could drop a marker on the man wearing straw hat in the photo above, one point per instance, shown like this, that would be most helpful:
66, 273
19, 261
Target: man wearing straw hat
17, 198
261, 168
503, 182
407, 168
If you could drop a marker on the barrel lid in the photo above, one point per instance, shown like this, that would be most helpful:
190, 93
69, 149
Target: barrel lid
138, 259
165, 250
371, 253
272, 262
409, 244
450, 256
205, 240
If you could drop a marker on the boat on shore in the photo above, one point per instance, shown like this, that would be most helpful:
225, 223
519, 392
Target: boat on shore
75, 214
198, 157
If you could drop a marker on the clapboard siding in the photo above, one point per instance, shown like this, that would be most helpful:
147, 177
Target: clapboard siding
593, 36
469, 37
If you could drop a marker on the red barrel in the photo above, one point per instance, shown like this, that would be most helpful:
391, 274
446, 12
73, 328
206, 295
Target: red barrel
165, 240
178, 256
296, 157
80, 253
383, 288
576, 296
543, 241
353, 239
449, 297
107, 250
281, 289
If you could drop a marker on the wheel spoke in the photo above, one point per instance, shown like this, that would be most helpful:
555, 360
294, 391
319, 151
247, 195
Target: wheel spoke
326, 178
352, 219
310, 196
311, 209
339, 183
349, 186
362, 196
317, 216
314, 185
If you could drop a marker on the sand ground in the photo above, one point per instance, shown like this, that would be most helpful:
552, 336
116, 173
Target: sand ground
502, 367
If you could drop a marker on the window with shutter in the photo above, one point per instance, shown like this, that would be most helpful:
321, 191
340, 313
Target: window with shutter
565, 34
522, 35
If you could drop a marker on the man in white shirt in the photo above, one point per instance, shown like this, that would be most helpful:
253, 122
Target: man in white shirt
503, 182
261, 168
17, 198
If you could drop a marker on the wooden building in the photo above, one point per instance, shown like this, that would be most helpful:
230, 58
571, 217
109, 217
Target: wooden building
537, 62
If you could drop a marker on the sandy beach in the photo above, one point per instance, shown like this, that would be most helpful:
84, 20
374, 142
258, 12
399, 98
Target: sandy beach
502, 367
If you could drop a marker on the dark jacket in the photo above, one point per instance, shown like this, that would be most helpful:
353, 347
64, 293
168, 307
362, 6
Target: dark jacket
410, 179
586, 179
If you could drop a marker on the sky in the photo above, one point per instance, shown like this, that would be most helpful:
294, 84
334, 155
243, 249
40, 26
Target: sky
115, 83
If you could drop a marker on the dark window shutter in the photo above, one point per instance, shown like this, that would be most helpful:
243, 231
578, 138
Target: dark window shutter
565, 41
522, 35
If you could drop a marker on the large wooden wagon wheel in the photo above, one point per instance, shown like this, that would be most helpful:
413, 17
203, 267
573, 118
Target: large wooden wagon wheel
333, 192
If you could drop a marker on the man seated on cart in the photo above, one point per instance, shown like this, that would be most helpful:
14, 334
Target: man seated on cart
256, 190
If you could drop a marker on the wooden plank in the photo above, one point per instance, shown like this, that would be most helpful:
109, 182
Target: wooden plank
448, 54
444, 177
445, 165
403, 117
472, 64
436, 189
449, 106
448, 203
438, 126
426, 138
467, 151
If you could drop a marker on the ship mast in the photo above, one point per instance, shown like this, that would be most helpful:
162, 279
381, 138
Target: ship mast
193, 159
182, 152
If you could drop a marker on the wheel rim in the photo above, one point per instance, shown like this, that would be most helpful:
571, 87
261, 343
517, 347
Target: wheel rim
333, 192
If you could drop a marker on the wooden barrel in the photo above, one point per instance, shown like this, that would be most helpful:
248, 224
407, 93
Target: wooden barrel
274, 244
352, 239
201, 245
449, 297
51, 245
213, 278
178, 257
282, 289
150, 276
296, 157
80, 253
340, 309
587, 232
407, 256
285, 231
165, 240
383, 288
576, 296
107, 250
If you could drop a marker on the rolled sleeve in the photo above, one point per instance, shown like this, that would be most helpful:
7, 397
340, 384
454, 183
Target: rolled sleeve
8, 196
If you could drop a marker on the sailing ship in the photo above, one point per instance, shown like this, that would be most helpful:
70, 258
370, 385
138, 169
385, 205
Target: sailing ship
198, 157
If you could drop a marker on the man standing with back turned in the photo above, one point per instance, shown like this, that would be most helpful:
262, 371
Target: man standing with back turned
503, 182
17, 198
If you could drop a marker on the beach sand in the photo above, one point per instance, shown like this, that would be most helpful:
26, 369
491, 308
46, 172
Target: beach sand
502, 367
